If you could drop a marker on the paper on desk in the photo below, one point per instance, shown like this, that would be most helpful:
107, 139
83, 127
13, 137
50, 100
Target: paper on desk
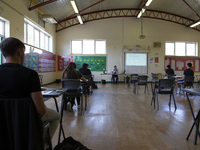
46, 92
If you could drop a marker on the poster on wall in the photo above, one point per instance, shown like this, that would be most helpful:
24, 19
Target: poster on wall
31, 61
96, 63
47, 62
63, 61
180, 63
43, 62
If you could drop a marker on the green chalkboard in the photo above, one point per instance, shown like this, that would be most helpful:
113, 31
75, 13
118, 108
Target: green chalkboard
96, 63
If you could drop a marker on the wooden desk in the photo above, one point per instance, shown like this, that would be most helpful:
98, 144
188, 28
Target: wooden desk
196, 118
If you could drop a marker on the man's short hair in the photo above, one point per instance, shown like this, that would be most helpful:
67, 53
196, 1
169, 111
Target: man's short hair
9, 46
189, 64
85, 65
168, 66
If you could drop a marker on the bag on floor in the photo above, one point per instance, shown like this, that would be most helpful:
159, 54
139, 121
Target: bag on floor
94, 85
70, 144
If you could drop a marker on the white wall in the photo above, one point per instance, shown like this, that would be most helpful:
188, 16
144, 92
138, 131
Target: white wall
126, 31
14, 11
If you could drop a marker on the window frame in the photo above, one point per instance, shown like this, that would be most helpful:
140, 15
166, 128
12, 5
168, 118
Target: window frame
196, 48
82, 40
47, 47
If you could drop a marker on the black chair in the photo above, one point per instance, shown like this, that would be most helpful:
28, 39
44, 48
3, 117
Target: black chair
171, 76
132, 79
21, 127
165, 86
89, 81
188, 82
74, 89
142, 81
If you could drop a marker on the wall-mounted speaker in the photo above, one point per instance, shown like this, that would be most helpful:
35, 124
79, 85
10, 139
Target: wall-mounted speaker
156, 44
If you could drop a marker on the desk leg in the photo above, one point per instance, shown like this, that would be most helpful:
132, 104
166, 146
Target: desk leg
196, 122
61, 114
56, 104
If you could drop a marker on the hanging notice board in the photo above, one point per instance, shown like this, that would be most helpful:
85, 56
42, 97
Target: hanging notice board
96, 63
63, 61
44, 62
180, 63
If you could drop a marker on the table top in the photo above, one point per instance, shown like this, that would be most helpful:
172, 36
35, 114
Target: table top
112, 74
53, 92
177, 77
195, 91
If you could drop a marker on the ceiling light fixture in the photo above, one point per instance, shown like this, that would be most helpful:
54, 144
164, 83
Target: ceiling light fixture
195, 24
74, 6
141, 12
79, 19
148, 2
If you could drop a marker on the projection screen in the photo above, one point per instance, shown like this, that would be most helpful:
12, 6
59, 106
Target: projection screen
136, 63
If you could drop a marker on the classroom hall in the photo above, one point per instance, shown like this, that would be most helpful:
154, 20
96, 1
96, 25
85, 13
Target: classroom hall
116, 118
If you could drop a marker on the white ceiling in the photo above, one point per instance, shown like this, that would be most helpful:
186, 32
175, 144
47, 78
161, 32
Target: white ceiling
62, 9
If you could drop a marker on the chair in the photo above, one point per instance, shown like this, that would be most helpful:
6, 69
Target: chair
132, 79
89, 81
171, 76
21, 127
188, 82
165, 86
142, 80
73, 85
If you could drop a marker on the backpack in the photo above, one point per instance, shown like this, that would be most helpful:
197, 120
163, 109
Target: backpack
70, 144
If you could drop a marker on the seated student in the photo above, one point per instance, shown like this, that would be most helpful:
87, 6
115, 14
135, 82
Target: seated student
71, 73
169, 70
21, 82
114, 74
187, 72
84, 70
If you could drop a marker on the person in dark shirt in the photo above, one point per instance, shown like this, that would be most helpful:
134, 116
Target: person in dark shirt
187, 72
71, 73
169, 70
17, 81
84, 70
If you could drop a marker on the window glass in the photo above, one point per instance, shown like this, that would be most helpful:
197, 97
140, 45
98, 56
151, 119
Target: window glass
76, 47
190, 49
46, 42
2, 28
88, 46
180, 49
37, 38
25, 31
30, 35
169, 48
41, 40
100, 47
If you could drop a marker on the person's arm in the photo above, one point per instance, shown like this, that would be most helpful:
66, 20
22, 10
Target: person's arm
39, 103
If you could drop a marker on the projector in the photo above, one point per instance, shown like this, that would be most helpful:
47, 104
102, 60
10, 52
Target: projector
142, 36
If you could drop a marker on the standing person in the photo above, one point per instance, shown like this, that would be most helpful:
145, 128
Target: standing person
114, 75
187, 72
169, 70
21, 82
71, 73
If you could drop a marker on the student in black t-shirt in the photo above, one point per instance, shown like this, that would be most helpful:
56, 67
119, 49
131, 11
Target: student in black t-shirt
169, 70
71, 73
187, 72
17, 81
84, 70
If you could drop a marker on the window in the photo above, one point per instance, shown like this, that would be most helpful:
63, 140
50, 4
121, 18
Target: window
181, 48
88, 46
36, 36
